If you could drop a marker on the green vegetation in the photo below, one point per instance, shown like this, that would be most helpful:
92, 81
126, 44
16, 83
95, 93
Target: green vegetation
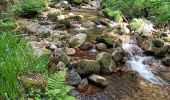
7, 24
156, 10
136, 23
15, 58
57, 88
29, 8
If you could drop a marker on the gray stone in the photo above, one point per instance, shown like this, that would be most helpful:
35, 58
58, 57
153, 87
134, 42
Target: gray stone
118, 54
166, 60
158, 43
77, 40
101, 46
73, 78
99, 80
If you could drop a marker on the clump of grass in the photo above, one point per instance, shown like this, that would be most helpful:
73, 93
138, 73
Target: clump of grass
136, 23
15, 58
116, 15
7, 24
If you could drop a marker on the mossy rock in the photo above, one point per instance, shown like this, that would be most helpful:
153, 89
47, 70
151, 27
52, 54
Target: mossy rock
118, 54
88, 67
106, 62
106, 40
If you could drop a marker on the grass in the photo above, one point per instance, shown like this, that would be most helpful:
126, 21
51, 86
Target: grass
15, 58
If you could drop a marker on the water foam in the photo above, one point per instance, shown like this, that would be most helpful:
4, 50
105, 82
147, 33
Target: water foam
136, 61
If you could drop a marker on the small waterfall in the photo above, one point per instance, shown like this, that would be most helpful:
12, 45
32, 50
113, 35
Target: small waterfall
137, 61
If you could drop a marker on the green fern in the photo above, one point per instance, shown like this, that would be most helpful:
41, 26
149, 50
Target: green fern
57, 88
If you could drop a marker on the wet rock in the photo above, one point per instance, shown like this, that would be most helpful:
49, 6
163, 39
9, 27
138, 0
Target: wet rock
106, 63
65, 22
60, 66
98, 80
87, 67
43, 32
73, 78
101, 46
86, 46
106, 40
83, 85
104, 21
78, 1
158, 43
77, 40
61, 56
118, 54
124, 29
89, 24
166, 60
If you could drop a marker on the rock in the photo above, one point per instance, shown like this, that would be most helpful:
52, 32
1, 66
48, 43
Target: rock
147, 46
87, 67
166, 60
161, 52
65, 22
77, 40
61, 56
101, 46
124, 29
89, 24
167, 39
70, 51
78, 1
43, 32
73, 78
86, 1
118, 54
83, 85
117, 43
106, 63
106, 40
52, 15
98, 80
86, 46
158, 43
60, 66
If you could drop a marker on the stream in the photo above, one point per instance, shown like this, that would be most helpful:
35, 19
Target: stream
139, 81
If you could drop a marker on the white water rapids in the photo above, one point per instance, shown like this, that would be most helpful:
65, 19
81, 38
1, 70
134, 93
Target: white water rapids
137, 61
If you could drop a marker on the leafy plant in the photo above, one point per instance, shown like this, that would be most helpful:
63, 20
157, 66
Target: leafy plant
57, 88
29, 8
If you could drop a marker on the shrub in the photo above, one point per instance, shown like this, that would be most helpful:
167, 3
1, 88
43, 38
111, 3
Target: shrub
29, 8
136, 23
156, 10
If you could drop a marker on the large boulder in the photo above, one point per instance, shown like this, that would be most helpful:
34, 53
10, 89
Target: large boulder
161, 52
166, 60
105, 39
89, 24
98, 80
118, 54
77, 40
106, 62
87, 67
